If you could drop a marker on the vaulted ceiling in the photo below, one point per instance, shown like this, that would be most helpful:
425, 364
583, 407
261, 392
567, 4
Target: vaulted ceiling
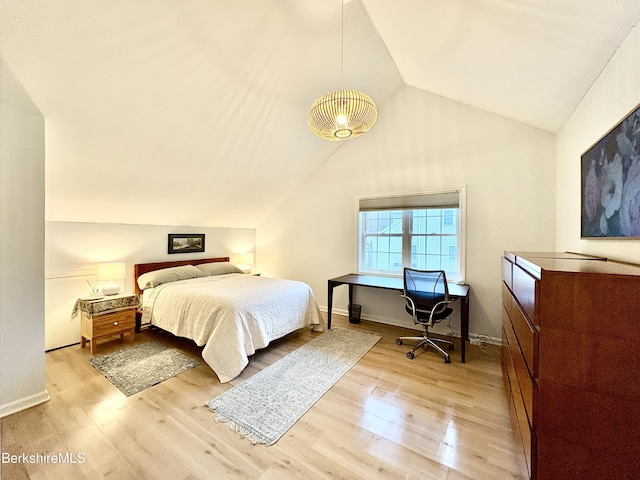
193, 112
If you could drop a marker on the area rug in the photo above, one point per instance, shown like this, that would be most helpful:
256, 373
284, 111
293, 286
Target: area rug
139, 367
266, 405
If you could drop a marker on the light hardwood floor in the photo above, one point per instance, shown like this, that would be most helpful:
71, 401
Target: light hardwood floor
388, 417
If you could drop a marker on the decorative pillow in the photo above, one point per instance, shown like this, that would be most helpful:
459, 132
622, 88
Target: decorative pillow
219, 268
166, 275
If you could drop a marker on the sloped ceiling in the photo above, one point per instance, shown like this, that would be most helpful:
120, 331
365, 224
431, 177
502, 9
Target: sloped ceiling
529, 60
193, 112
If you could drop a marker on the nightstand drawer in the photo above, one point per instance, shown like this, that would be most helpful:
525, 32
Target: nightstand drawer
114, 322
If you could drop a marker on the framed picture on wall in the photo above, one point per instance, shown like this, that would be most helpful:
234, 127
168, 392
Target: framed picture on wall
186, 243
610, 183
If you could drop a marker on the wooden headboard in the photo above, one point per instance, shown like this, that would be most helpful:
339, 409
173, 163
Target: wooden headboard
140, 268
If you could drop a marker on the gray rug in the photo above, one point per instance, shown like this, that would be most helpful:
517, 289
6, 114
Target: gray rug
139, 367
266, 405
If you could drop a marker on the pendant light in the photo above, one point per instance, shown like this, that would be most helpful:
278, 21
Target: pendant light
342, 114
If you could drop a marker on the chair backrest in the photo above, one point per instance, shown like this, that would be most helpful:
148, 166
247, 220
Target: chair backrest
426, 288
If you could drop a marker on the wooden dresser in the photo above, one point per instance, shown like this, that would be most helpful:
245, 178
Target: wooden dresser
571, 363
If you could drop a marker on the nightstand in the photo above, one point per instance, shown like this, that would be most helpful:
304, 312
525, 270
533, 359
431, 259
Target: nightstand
107, 316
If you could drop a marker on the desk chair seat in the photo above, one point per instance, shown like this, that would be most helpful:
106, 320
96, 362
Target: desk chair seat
427, 297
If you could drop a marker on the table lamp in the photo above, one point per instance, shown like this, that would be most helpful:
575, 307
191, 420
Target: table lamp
246, 262
109, 273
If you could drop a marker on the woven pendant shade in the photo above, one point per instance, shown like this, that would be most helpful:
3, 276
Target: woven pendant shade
342, 114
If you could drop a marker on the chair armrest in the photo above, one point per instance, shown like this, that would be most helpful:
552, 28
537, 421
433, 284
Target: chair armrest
411, 304
436, 307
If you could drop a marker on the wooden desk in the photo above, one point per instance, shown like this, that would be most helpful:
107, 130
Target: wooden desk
460, 292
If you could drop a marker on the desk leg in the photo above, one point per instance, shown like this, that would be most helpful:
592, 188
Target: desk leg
350, 301
329, 303
464, 326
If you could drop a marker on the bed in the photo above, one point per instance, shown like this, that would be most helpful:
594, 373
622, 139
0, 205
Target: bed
228, 312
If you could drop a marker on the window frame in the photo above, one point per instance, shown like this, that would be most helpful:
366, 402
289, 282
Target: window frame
406, 234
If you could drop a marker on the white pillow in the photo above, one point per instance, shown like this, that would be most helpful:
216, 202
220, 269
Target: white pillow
166, 275
218, 268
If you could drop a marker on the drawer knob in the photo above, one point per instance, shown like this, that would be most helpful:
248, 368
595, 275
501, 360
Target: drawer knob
115, 323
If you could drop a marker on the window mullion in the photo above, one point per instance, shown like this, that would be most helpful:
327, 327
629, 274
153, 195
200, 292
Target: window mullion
406, 238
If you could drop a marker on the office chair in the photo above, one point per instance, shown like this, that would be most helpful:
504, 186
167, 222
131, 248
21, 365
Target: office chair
427, 297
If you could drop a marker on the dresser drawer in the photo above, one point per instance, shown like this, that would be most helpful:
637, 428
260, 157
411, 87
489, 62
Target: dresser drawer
525, 383
525, 289
518, 408
507, 272
526, 334
527, 337
507, 298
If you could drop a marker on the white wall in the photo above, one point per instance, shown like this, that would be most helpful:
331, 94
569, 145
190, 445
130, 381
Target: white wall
610, 99
421, 142
22, 364
73, 249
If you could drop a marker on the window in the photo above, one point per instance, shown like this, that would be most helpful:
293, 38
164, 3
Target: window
419, 231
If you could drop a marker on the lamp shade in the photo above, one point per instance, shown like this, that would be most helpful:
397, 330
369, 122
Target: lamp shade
109, 272
342, 114
246, 258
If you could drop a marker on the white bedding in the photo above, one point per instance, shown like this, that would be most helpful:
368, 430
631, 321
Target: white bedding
232, 315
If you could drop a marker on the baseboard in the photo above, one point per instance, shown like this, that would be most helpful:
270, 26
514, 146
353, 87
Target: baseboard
387, 321
24, 403
441, 328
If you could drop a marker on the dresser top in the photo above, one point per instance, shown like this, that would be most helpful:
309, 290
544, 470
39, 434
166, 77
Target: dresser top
567, 262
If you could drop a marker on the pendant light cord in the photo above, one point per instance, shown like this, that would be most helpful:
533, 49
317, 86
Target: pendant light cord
342, 44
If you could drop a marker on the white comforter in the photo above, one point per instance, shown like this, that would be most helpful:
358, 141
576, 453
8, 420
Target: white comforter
232, 315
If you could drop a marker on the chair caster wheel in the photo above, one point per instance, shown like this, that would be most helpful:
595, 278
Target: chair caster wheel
398, 341
447, 360
410, 355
